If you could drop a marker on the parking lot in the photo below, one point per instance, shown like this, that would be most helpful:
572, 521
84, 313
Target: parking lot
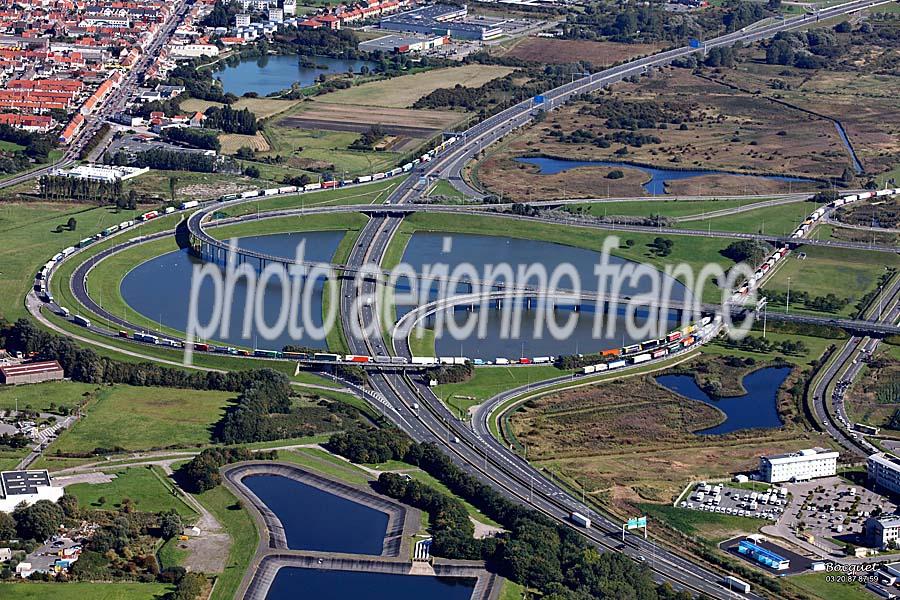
832, 511
723, 499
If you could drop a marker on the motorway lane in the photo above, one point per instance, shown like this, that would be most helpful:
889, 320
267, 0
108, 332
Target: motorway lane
845, 367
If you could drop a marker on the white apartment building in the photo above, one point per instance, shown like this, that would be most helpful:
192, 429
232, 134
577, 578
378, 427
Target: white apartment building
798, 466
289, 7
884, 471
242, 20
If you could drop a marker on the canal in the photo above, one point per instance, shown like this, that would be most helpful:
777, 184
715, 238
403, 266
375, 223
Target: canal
273, 73
656, 186
757, 409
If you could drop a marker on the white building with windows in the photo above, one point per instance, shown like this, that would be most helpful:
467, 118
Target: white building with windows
242, 20
289, 7
798, 466
884, 471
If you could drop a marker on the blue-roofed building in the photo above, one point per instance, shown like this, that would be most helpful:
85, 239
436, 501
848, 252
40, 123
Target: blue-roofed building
763, 556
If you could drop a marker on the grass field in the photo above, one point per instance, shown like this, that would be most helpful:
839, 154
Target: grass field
319, 148
443, 188
711, 526
512, 591
144, 487
649, 208
232, 142
139, 418
371, 193
404, 92
170, 554
816, 345
843, 272
119, 590
263, 108
240, 526
191, 186
816, 584
327, 464
490, 381
29, 241
781, 220
39, 396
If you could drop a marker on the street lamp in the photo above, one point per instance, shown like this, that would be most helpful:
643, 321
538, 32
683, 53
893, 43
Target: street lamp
788, 300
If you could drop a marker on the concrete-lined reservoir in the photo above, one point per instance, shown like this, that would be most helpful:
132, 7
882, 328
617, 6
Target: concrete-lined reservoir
658, 177
314, 519
159, 288
291, 583
757, 409
424, 250
267, 74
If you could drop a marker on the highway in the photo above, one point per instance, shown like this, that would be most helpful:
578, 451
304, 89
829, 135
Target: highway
432, 421
411, 405
844, 368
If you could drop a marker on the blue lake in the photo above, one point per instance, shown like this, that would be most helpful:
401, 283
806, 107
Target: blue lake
658, 177
291, 583
267, 74
159, 288
757, 409
481, 251
316, 520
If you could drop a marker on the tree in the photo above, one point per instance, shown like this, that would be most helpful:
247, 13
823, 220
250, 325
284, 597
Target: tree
38, 521
173, 185
71, 224
69, 504
170, 525
751, 251
7, 526
848, 175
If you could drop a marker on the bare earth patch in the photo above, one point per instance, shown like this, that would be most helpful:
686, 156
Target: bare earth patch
549, 50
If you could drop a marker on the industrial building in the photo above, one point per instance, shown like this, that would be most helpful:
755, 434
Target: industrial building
763, 556
35, 372
440, 19
882, 532
28, 487
798, 466
884, 471
403, 43
108, 174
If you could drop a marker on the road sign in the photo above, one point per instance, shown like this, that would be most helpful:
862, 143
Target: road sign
695, 43
538, 99
636, 523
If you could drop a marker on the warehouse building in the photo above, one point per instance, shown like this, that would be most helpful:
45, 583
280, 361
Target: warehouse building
884, 471
105, 173
442, 20
403, 44
798, 466
35, 372
28, 487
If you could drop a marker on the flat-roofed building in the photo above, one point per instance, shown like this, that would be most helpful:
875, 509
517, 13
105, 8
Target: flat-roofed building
883, 532
798, 466
884, 471
34, 372
28, 487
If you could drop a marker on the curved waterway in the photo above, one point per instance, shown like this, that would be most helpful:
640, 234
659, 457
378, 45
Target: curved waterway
757, 409
317, 520
291, 583
159, 288
500, 339
268, 74
658, 177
